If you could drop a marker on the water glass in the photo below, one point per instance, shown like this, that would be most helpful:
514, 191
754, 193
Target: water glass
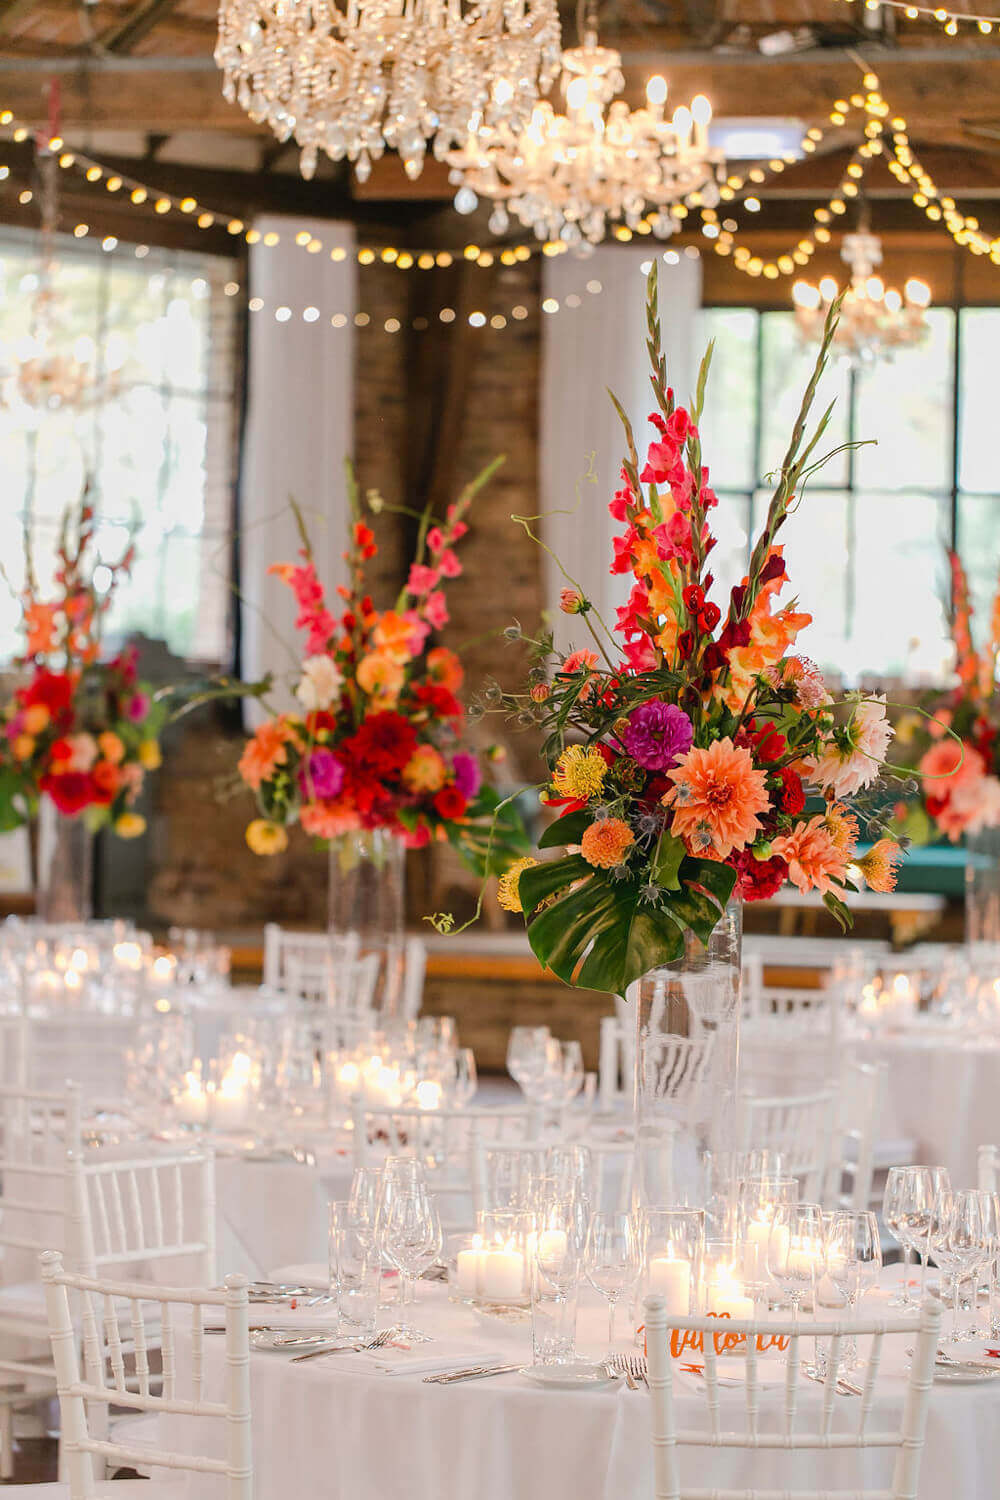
354, 1276
553, 1322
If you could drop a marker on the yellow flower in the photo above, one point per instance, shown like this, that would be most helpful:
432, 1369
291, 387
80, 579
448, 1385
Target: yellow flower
150, 755
606, 843
878, 866
425, 770
508, 894
579, 772
23, 746
130, 825
36, 718
380, 676
842, 827
265, 837
111, 747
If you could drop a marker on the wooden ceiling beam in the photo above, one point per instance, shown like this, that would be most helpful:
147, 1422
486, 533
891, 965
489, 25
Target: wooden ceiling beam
12, 13
135, 26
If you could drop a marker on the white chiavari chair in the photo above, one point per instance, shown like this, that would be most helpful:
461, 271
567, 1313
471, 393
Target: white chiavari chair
851, 1179
615, 1065
769, 1423
988, 1168
451, 1143
180, 1394
91, 1048
801, 1128
37, 1129
131, 1217
310, 949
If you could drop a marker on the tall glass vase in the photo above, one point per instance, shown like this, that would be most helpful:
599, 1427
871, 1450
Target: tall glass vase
686, 1068
61, 853
367, 910
982, 893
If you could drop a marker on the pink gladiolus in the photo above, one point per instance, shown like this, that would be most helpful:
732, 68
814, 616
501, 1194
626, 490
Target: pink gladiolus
436, 611
422, 579
449, 564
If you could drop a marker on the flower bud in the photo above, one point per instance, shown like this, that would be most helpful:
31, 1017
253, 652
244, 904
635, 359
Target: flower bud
572, 602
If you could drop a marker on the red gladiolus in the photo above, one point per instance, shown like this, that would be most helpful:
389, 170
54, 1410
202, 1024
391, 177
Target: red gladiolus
693, 597
685, 644
709, 617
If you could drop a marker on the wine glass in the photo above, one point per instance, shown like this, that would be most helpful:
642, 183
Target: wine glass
555, 1277
923, 1187
795, 1255
466, 1078
853, 1253
612, 1259
899, 1190
362, 1202
959, 1241
409, 1236
526, 1054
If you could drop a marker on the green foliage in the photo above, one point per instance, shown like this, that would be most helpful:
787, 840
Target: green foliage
491, 835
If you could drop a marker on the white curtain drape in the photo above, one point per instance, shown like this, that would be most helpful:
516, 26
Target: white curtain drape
300, 421
585, 351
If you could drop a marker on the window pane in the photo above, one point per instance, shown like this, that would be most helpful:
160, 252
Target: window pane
729, 422
728, 561
977, 398
788, 364
979, 545
906, 405
815, 539
898, 620
159, 446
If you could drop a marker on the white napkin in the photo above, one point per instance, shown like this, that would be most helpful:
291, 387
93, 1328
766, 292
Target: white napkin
309, 1273
439, 1358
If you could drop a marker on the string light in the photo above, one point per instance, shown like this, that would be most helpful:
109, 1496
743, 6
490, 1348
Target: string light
948, 20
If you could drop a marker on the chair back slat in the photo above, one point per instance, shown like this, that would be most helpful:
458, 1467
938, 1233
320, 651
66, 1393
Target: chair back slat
145, 1212
80, 1391
805, 1426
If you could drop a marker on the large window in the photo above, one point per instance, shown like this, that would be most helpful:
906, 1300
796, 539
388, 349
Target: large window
866, 551
158, 445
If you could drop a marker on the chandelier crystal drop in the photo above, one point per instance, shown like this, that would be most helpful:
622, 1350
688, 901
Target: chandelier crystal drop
875, 320
353, 80
567, 176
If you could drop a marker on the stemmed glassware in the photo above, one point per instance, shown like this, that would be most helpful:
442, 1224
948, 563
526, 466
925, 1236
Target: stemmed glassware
853, 1253
408, 1234
960, 1236
612, 1259
900, 1188
795, 1252
526, 1052
923, 1185
555, 1276
362, 1203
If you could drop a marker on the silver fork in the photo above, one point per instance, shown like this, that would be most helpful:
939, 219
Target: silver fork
385, 1337
632, 1366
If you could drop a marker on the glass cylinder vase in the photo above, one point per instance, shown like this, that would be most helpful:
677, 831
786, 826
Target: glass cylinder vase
687, 1017
367, 908
982, 893
61, 853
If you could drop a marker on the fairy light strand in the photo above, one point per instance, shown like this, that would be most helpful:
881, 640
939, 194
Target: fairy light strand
949, 21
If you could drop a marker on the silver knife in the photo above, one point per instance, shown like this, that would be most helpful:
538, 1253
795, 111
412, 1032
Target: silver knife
478, 1374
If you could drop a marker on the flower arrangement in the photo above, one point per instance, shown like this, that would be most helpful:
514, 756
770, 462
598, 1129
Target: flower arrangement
683, 744
377, 744
81, 731
955, 739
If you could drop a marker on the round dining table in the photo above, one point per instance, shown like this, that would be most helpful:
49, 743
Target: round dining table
342, 1428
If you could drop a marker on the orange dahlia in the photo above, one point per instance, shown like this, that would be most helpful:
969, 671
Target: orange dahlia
606, 843
811, 853
716, 798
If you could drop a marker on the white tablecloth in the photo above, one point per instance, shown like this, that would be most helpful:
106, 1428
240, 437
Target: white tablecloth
943, 1093
349, 1435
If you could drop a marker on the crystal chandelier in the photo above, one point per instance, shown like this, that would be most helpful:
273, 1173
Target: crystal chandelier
875, 320
44, 371
401, 73
567, 175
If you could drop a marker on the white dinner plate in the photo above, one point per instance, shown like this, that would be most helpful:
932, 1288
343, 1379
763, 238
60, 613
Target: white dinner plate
579, 1376
964, 1375
290, 1340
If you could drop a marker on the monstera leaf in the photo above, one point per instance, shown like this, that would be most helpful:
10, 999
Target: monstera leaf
598, 933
